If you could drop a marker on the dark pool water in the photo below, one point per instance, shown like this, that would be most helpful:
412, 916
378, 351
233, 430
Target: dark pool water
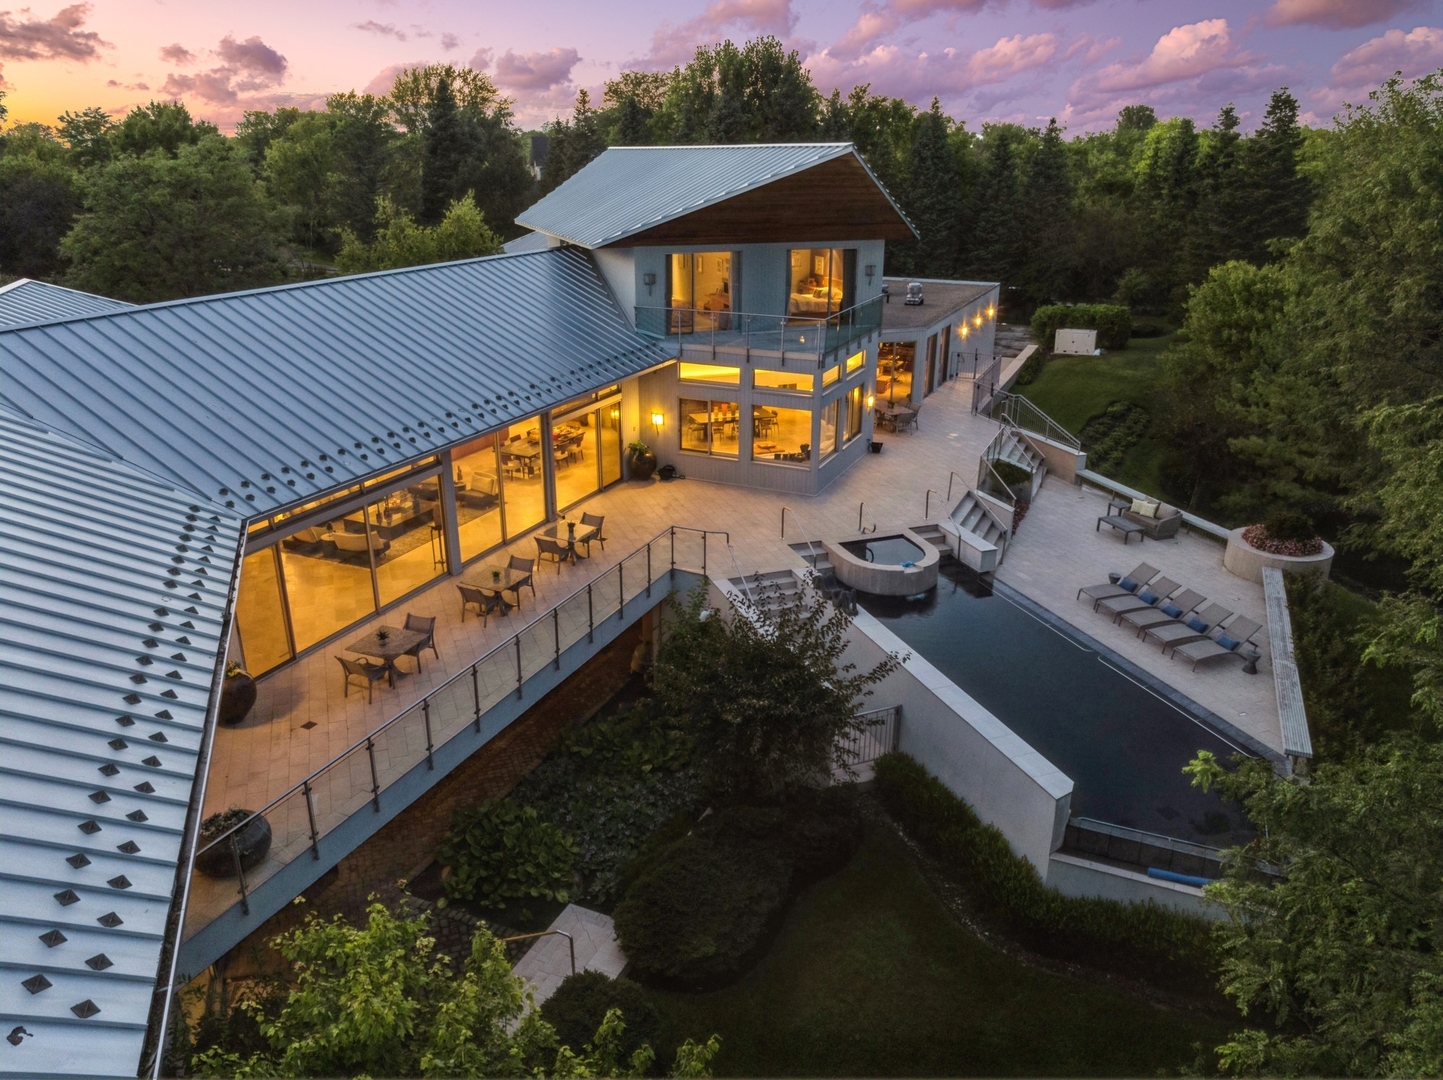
894, 550
1123, 746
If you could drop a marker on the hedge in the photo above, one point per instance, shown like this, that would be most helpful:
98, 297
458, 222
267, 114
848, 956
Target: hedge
1140, 940
704, 907
579, 1005
1113, 323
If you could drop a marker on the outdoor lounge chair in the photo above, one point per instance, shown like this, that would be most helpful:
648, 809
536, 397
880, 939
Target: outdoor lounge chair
485, 603
1193, 627
1140, 576
1228, 641
1170, 610
428, 627
548, 547
1150, 595
365, 670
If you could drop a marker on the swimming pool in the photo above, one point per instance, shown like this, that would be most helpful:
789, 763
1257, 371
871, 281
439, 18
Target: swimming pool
1123, 746
885, 549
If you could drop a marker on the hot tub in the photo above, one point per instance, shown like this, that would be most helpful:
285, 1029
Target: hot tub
898, 564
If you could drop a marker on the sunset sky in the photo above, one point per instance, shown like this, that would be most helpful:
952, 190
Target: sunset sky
1021, 60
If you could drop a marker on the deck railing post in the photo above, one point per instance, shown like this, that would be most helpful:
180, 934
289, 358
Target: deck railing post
426, 719
703, 553
590, 616
648, 569
672, 530
476, 694
375, 776
519, 679
240, 871
556, 633
311, 817
621, 589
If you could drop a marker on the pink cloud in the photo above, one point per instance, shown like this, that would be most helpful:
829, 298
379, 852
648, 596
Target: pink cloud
1336, 14
177, 54
677, 44
371, 26
246, 67
1184, 52
918, 76
56, 38
536, 71
1009, 57
1412, 52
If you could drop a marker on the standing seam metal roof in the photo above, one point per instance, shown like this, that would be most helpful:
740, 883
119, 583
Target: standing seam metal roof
263, 398
113, 593
25, 302
627, 189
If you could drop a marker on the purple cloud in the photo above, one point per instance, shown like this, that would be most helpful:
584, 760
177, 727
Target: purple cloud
253, 56
176, 54
449, 41
56, 38
535, 71
247, 66
1336, 14
1412, 52
677, 44
371, 26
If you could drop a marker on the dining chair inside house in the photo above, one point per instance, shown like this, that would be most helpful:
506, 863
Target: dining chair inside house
366, 671
427, 626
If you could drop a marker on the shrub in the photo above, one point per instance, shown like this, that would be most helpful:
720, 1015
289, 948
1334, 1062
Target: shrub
1136, 939
1110, 434
502, 851
1014, 476
1112, 322
582, 1001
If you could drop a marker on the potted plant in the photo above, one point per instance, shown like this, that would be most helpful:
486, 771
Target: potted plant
252, 842
495, 577
641, 461
237, 694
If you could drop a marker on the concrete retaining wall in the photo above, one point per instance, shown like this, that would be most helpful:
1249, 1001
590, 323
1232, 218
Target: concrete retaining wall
1072, 875
1245, 561
1062, 460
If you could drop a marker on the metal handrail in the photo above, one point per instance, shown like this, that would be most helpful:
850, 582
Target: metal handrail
570, 941
1014, 408
468, 672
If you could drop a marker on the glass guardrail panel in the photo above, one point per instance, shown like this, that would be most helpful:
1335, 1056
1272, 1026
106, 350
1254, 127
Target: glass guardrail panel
538, 647
636, 579
452, 708
573, 620
691, 550
496, 676
399, 746
605, 595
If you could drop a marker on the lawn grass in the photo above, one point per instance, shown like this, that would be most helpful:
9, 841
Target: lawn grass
1074, 389
870, 976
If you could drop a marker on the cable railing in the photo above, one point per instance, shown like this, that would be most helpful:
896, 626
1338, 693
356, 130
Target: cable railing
315, 806
1020, 412
804, 338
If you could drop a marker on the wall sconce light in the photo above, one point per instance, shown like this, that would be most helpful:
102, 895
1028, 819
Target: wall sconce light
616, 412
658, 418
964, 328
991, 311
871, 401
871, 271
648, 279
978, 321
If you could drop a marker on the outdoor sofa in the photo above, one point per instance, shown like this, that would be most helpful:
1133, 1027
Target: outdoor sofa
1163, 524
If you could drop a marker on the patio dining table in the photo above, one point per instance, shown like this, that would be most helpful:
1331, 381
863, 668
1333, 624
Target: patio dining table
398, 642
508, 581
569, 540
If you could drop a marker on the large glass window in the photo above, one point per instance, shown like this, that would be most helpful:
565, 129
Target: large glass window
523, 490
713, 373
781, 380
855, 362
476, 472
576, 453
260, 614
406, 535
831, 375
328, 577
700, 291
611, 444
823, 281
895, 360
854, 413
781, 435
827, 440
710, 427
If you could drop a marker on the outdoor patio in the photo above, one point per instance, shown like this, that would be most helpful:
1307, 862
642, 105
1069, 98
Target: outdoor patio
303, 719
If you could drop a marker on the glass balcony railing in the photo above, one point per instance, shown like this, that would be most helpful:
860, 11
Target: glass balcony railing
789, 336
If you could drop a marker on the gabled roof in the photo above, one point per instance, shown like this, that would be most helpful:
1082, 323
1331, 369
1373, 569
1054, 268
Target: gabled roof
25, 302
113, 592
259, 399
628, 190
532, 241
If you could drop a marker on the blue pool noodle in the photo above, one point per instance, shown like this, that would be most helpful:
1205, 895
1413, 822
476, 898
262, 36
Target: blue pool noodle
1181, 879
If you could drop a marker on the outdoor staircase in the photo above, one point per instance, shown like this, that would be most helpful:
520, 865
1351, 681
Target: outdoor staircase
1016, 450
934, 535
773, 591
975, 517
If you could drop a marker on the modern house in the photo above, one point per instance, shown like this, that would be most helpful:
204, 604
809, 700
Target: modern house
252, 478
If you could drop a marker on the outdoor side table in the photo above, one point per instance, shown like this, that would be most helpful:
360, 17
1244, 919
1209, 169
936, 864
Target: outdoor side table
1122, 525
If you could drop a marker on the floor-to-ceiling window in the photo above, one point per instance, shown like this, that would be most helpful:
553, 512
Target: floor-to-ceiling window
259, 612
523, 488
823, 281
476, 472
854, 413
699, 291
895, 360
931, 383
827, 439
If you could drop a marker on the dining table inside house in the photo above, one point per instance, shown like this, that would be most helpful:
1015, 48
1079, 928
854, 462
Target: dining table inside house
498, 582
526, 454
388, 644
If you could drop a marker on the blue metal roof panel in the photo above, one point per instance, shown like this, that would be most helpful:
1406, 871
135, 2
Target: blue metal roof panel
113, 591
627, 189
532, 241
265, 398
26, 302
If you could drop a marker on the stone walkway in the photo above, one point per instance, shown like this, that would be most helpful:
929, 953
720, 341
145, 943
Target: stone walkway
549, 961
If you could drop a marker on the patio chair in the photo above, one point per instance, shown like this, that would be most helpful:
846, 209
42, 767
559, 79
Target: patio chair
516, 562
428, 627
1128, 583
485, 603
548, 547
1170, 610
1228, 641
365, 670
1150, 595
907, 420
596, 521
1193, 627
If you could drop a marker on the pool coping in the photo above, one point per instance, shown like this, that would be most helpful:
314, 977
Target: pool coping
1149, 681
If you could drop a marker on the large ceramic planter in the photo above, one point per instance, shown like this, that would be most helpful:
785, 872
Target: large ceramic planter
253, 842
642, 465
1245, 561
237, 697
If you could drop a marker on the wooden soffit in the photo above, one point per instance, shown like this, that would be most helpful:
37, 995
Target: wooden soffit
836, 200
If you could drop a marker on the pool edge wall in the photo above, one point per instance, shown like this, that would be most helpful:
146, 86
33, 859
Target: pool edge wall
886, 579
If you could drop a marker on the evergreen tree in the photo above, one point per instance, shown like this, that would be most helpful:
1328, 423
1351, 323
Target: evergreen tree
363, 137
999, 233
444, 150
1279, 194
1050, 240
932, 196
573, 144
631, 128
1218, 235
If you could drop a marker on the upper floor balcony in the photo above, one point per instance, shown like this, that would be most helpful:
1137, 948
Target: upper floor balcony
790, 338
